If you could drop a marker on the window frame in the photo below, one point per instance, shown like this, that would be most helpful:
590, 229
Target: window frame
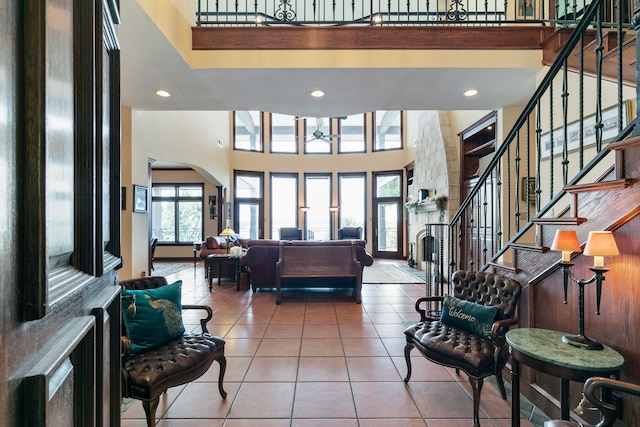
362, 175
176, 201
364, 136
237, 201
296, 138
291, 175
309, 175
374, 126
260, 133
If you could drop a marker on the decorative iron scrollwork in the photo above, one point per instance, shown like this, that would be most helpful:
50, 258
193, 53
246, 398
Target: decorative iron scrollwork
456, 11
285, 11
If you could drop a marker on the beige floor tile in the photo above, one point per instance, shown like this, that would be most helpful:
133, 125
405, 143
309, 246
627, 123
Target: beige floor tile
263, 400
323, 400
279, 347
320, 331
322, 369
273, 369
321, 347
383, 400
283, 331
363, 347
372, 369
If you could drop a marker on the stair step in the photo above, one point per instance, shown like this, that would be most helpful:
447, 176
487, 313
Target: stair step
503, 266
599, 186
560, 221
532, 247
634, 141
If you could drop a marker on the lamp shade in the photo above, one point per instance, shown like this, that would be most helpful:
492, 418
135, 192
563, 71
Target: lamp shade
228, 232
565, 240
601, 243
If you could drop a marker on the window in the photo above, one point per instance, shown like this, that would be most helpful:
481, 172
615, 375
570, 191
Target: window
388, 130
283, 133
317, 136
247, 130
353, 199
351, 132
284, 202
249, 204
177, 213
318, 199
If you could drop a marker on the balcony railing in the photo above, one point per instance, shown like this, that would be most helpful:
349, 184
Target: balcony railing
370, 12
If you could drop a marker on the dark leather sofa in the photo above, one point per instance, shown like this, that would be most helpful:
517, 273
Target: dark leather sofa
262, 255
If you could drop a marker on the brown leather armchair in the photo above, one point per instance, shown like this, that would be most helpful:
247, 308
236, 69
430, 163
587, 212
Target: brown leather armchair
590, 391
147, 375
449, 345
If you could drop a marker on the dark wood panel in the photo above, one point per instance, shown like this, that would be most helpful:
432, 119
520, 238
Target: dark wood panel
458, 37
55, 387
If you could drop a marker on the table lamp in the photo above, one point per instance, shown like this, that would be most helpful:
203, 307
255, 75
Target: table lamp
227, 233
599, 244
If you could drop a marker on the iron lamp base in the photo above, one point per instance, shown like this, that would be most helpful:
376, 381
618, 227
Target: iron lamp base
582, 342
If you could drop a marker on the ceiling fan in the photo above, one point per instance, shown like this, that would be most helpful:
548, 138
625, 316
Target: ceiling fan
319, 135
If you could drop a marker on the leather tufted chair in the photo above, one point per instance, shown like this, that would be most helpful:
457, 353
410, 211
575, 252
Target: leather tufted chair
147, 375
450, 346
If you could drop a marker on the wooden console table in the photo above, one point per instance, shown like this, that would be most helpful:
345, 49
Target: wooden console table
544, 351
216, 261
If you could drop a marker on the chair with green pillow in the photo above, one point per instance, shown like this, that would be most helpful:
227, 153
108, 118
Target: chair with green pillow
157, 353
468, 330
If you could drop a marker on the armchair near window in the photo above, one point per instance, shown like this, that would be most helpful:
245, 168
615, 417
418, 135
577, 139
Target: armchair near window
470, 332
346, 233
290, 233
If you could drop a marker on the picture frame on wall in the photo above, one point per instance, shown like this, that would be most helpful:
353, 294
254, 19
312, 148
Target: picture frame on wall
140, 199
212, 207
609, 130
528, 189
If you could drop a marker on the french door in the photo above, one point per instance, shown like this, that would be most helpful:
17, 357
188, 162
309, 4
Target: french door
387, 214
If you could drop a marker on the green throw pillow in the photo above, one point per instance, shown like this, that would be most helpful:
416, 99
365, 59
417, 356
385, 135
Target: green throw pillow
469, 316
157, 317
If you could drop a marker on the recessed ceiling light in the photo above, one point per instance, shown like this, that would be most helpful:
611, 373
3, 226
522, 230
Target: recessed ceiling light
471, 92
317, 93
163, 93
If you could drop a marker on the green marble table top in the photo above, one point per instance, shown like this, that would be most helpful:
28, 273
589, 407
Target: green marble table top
547, 346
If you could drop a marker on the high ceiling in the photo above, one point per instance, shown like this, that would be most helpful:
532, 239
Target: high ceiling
150, 62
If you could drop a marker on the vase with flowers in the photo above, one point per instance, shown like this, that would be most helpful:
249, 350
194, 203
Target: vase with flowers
440, 201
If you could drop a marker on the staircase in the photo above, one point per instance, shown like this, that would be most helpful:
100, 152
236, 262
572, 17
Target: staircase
578, 140
575, 175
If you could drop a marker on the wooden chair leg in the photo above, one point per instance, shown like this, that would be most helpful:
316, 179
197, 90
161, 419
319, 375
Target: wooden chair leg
150, 407
223, 367
476, 386
500, 381
407, 358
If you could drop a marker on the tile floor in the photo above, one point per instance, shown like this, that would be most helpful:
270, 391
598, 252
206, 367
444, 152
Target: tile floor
318, 359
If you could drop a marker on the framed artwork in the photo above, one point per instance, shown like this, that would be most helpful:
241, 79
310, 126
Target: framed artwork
212, 207
609, 131
526, 9
140, 199
228, 210
123, 198
528, 189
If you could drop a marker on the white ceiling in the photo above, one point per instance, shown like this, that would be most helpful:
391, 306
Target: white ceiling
149, 62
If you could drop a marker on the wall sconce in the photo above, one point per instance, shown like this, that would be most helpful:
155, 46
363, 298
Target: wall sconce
599, 244
227, 233
334, 208
305, 208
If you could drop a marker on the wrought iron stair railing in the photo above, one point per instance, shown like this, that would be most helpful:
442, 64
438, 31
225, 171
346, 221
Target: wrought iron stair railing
558, 142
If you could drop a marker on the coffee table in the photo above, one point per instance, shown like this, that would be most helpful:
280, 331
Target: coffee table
214, 261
